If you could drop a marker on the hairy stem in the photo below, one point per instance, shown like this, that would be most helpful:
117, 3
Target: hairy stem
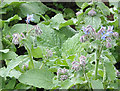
98, 53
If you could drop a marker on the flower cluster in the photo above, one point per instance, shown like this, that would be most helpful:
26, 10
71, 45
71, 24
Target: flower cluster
82, 60
76, 65
38, 31
91, 13
29, 18
17, 38
49, 53
103, 34
62, 74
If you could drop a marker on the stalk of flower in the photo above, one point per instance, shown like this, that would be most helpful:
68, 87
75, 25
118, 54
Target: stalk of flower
29, 18
62, 74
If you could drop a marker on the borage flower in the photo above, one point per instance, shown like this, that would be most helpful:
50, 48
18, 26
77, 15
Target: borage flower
29, 18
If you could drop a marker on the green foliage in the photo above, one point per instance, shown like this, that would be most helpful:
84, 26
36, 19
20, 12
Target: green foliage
41, 78
34, 52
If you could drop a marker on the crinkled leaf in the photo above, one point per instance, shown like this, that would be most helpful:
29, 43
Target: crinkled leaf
41, 78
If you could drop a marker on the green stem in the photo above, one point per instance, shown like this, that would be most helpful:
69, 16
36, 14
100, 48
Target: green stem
96, 68
41, 65
98, 53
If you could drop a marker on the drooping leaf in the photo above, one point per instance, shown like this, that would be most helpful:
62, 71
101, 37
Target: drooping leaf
41, 78
110, 70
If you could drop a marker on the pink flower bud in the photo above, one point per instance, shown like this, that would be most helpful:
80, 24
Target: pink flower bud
78, 13
91, 12
115, 34
108, 45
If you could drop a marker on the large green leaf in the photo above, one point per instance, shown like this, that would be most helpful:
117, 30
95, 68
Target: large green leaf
18, 28
97, 84
72, 45
93, 21
33, 8
110, 70
41, 78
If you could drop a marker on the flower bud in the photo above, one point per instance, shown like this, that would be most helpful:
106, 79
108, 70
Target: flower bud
91, 13
82, 38
25, 67
115, 34
78, 13
63, 77
82, 60
108, 45
62, 74
75, 65
110, 28
49, 53
15, 39
38, 31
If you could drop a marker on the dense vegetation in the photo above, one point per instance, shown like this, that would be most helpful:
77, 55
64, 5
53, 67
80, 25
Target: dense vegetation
59, 45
